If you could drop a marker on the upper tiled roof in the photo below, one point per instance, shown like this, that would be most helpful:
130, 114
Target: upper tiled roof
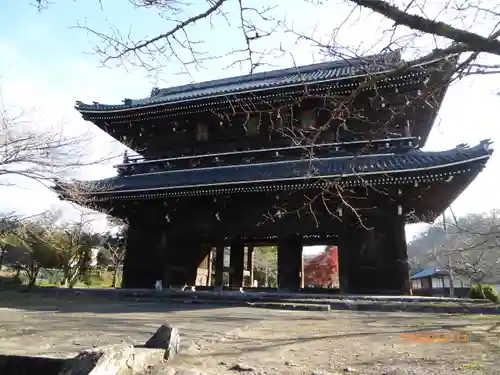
326, 71
331, 167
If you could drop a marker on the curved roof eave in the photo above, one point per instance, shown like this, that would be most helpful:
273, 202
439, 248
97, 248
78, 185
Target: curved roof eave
279, 79
366, 166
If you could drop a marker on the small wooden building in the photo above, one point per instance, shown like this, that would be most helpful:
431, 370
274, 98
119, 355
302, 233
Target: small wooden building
436, 282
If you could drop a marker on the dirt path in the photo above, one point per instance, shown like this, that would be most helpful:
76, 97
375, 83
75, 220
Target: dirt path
269, 341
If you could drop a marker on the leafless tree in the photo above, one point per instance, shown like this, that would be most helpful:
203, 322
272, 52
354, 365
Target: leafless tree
458, 26
116, 257
113, 248
176, 42
39, 153
471, 247
471, 27
73, 243
468, 30
74, 240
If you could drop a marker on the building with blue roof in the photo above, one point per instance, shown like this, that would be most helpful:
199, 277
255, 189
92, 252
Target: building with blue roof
435, 281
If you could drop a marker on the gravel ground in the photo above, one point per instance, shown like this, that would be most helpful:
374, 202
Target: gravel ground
262, 341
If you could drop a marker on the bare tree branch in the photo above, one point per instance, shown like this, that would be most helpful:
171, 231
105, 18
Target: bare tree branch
40, 153
468, 41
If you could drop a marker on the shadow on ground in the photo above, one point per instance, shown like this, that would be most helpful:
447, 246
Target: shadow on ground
66, 303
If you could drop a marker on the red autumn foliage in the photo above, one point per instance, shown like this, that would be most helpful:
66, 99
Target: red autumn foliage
323, 270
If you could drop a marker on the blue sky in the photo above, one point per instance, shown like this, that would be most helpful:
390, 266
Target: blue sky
47, 65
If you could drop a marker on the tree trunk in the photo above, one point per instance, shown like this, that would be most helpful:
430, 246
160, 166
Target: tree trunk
482, 290
2, 255
113, 282
32, 281
70, 277
32, 273
71, 282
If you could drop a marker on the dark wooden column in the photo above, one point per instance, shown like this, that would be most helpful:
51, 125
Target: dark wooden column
183, 257
290, 263
219, 265
250, 256
344, 262
302, 270
174, 273
350, 242
237, 263
374, 260
397, 271
209, 267
142, 265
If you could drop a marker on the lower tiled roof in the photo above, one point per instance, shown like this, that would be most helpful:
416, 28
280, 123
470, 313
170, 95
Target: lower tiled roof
297, 170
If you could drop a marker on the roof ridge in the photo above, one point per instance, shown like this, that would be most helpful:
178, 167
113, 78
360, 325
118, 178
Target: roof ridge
391, 56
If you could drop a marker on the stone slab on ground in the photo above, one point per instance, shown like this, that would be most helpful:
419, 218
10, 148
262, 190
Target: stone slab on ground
118, 359
289, 306
107, 360
327, 305
166, 338
245, 295
291, 301
26, 365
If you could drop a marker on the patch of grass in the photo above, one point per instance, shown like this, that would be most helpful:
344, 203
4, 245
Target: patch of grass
482, 316
481, 291
472, 366
47, 284
95, 279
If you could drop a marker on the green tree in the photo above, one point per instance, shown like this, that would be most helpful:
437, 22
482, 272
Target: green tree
266, 265
73, 246
28, 249
8, 224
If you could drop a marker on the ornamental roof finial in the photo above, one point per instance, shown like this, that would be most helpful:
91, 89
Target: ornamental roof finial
155, 91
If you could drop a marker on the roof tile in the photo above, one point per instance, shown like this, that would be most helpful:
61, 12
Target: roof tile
326, 167
291, 76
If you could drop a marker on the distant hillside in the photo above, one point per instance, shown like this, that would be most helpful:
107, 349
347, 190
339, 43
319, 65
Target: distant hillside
434, 237
472, 240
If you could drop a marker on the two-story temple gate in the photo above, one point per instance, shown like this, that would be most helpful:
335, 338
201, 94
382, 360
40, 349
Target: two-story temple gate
326, 153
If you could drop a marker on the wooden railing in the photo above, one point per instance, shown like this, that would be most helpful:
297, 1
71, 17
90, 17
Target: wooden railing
137, 165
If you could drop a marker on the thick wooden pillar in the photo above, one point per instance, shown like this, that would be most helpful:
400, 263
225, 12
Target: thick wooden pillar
302, 274
374, 260
343, 252
396, 252
290, 263
183, 257
209, 267
237, 263
250, 256
350, 241
219, 265
142, 265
